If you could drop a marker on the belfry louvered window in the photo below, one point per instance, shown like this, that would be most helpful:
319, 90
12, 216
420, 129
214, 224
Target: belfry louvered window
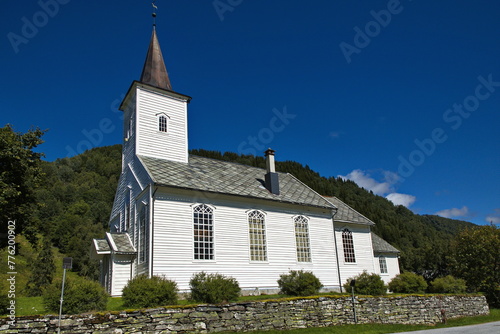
302, 239
348, 244
203, 232
257, 235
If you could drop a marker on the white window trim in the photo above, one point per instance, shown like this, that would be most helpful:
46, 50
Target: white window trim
294, 218
248, 212
343, 247
158, 118
212, 208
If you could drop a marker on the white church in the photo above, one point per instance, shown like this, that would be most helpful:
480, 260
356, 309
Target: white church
176, 214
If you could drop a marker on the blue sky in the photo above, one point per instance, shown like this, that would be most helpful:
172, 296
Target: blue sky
402, 97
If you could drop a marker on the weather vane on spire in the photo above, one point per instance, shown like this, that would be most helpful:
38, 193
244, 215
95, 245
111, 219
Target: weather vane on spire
155, 8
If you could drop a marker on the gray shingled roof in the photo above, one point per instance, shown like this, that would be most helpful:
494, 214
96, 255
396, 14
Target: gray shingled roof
347, 214
224, 177
101, 246
121, 243
382, 246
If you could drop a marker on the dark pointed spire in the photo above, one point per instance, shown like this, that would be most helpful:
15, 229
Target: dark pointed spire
154, 72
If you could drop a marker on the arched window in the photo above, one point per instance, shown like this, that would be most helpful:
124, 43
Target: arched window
302, 239
203, 232
383, 265
348, 246
162, 123
257, 234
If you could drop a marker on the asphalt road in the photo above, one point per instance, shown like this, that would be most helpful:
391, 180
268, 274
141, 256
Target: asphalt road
487, 328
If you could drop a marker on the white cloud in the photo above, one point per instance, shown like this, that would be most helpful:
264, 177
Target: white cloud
450, 213
364, 180
383, 187
494, 218
401, 199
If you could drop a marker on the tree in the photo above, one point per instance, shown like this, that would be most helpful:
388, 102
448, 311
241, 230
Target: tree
475, 257
42, 271
20, 175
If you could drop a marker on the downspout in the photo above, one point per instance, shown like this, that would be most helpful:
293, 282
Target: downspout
334, 212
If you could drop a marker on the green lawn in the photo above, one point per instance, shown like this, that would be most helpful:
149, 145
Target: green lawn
29, 306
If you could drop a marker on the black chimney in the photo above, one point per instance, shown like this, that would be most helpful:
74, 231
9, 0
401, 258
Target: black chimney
272, 181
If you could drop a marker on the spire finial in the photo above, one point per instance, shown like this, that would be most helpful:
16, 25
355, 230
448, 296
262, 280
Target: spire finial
155, 8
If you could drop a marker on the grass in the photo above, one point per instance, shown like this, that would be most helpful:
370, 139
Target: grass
381, 328
29, 306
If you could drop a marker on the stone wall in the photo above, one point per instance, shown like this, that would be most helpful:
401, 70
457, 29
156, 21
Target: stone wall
264, 315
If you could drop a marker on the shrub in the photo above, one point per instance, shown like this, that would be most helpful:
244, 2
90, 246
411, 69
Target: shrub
299, 283
367, 284
408, 283
213, 288
144, 291
448, 284
80, 296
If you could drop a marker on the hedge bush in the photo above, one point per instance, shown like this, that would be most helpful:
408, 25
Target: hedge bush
299, 283
367, 284
144, 291
80, 296
213, 288
408, 283
448, 284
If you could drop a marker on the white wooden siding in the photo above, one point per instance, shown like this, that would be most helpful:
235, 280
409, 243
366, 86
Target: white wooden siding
392, 266
363, 250
172, 145
173, 243
121, 273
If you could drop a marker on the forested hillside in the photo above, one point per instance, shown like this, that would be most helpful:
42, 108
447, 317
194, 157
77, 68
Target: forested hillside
78, 193
76, 200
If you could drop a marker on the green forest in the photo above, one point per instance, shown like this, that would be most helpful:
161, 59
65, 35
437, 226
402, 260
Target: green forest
77, 194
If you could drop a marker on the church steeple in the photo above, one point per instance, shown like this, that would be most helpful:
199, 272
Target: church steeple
154, 72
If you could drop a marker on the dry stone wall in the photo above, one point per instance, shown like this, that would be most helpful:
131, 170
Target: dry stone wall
272, 314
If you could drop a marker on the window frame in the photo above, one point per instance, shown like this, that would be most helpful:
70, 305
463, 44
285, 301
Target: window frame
206, 251
163, 121
257, 236
348, 246
382, 260
302, 239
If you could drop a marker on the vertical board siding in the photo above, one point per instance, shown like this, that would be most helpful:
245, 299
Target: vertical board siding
173, 244
171, 145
